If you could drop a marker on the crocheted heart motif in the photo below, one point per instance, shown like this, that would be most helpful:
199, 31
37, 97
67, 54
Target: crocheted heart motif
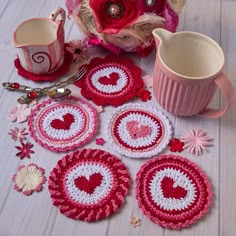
89, 185
65, 124
138, 132
111, 80
169, 191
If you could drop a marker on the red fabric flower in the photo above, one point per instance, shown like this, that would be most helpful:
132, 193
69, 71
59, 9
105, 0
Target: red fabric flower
113, 15
176, 145
25, 150
144, 95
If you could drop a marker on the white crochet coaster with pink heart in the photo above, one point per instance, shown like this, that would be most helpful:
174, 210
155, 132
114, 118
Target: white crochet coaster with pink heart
63, 125
138, 131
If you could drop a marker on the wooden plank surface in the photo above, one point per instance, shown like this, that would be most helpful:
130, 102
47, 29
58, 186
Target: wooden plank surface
35, 215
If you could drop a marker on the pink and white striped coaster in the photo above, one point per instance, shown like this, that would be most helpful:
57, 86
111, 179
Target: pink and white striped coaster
138, 131
172, 191
89, 184
63, 125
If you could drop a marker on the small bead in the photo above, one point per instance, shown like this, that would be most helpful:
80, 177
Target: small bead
32, 95
15, 86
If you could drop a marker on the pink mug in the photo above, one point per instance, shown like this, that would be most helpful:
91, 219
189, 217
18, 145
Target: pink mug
188, 70
40, 43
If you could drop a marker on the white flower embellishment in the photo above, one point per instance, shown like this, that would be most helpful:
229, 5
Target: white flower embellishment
196, 141
29, 178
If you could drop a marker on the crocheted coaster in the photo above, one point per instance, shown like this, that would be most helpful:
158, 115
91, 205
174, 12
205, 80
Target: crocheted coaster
172, 191
138, 131
63, 125
89, 184
68, 58
111, 80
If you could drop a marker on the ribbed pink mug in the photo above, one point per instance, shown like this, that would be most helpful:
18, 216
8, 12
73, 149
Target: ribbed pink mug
40, 43
188, 70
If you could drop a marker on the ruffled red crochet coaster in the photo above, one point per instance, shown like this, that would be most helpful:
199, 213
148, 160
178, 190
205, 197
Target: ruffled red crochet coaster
173, 191
46, 77
89, 184
63, 125
111, 80
138, 131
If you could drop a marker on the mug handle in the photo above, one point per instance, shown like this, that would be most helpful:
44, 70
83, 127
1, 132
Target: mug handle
228, 91
56, 12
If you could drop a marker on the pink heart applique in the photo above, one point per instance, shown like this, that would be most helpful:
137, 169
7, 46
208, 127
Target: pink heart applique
65, 124
111, 80
172, 192
89, 185
138, 132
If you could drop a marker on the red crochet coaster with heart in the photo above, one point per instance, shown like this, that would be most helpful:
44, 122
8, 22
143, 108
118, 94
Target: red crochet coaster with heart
63, 125
89, 184
138, 131
172, 191
111, 80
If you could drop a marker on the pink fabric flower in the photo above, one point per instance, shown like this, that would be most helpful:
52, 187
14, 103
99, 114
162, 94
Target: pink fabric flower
18, 134
100, 141
29, 178
78, 49
196, 141
113, 15
19, 113
148, 81
25, 150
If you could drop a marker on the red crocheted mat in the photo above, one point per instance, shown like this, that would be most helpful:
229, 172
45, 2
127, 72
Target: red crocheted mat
89, 184
46, 77
173, 191
63, 125
111, 80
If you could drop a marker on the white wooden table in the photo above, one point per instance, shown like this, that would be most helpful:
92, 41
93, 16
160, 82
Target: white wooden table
35, 215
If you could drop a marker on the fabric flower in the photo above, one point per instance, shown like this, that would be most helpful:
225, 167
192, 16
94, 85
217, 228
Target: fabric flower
78, 49
135, 221
100, 109
100, 141
113, 15
145, 95
29, 178
18, 134
196, 141
176, 145
25, 150
19, 113
148, 81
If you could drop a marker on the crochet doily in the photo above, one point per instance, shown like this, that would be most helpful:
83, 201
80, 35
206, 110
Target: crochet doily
138, 130
89, 184
63, 125
172, 191
111, 80
46, 77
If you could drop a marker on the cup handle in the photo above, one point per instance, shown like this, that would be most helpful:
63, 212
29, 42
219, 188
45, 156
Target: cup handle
56, 12
228, 91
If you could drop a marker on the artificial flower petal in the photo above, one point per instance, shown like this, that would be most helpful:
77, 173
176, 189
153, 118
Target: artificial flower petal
25, 150
78, 49
19, 113
18, 134
176, 145
29, 178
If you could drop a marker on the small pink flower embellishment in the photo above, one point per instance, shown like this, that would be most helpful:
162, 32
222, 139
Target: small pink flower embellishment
100, 109
25, 150
19, 113
78, 49
100, 141
196, 141
29, 178
135, 222
18, 134
148, 81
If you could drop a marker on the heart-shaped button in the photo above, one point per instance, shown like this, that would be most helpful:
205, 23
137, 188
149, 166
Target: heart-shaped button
137, 131
89, 185
65, 124
169, 191
111, 80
